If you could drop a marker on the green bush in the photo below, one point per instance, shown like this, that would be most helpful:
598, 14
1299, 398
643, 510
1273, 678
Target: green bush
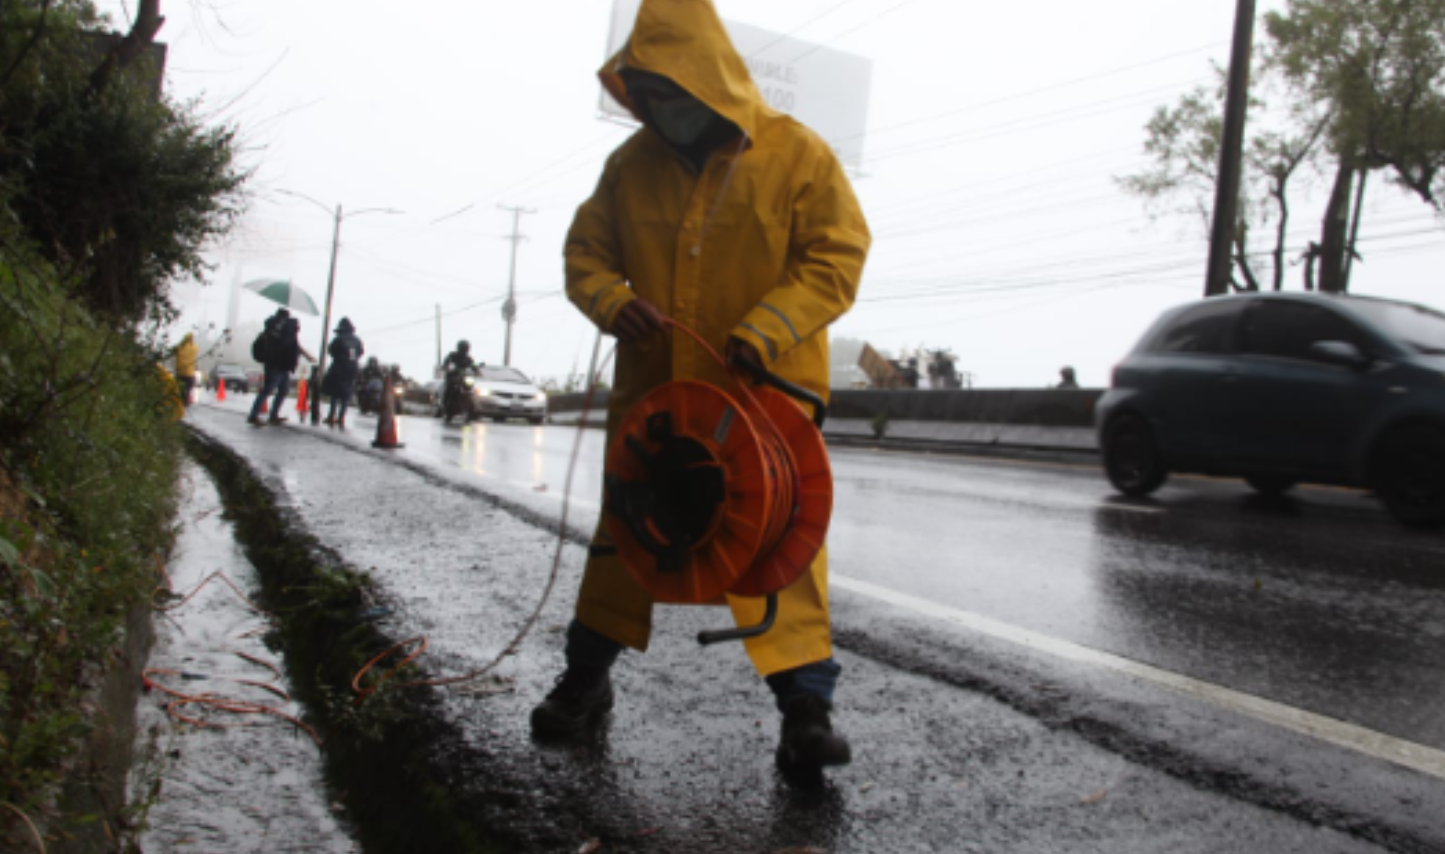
89, 451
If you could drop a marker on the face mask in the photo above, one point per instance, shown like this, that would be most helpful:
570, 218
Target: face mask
681, 121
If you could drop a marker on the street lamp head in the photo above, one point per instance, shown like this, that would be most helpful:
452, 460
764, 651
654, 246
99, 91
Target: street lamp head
304, 197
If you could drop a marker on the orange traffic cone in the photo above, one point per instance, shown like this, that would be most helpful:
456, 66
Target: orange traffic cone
220, 389
302, 401
386, 424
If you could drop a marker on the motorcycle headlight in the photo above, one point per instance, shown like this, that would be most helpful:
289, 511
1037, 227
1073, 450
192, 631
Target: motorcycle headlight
401, 389
468, 382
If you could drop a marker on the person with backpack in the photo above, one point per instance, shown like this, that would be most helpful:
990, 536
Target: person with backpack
345, 350
279, 349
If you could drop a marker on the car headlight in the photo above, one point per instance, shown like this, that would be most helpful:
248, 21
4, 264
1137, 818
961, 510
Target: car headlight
481, 392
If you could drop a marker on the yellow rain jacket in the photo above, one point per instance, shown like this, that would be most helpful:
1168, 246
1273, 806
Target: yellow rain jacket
186, 353
766, 243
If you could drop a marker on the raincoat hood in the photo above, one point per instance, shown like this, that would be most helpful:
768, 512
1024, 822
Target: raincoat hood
685, 41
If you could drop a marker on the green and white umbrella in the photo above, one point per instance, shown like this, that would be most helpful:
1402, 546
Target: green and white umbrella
283, 293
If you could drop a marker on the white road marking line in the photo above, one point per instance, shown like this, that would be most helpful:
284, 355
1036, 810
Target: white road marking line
1419, 757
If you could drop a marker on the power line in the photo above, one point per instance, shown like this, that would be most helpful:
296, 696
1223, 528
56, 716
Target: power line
815, 48
803, 26
1032, 92
1027, 123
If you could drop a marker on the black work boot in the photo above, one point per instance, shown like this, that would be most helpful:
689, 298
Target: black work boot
808, 742
581, 697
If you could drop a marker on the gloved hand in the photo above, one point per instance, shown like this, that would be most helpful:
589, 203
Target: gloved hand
637, 320
738, 350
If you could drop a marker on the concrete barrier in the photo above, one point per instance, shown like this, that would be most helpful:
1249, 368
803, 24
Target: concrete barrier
1042, 419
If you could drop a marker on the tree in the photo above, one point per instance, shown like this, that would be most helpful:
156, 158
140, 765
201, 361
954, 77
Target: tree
1380, 64
1184, 141
1362, 84
118, 186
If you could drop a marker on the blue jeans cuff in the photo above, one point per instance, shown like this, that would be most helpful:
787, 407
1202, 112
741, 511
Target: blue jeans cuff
818, 679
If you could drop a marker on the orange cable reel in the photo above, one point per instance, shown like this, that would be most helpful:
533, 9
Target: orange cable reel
712, 493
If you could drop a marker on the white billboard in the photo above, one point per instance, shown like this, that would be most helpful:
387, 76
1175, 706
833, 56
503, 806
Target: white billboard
825, 89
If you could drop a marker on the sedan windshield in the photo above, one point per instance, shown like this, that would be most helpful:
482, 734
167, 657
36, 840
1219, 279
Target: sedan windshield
504, 375
1419, 328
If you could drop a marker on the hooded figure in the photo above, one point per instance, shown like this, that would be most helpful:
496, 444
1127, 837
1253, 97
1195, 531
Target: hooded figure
186, 353
345, 351
738, 222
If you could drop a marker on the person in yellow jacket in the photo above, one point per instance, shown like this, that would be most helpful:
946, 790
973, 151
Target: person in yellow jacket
185, 354
738, 222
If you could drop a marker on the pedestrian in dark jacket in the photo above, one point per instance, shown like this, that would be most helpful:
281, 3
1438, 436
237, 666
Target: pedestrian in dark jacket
283, 353
345, 351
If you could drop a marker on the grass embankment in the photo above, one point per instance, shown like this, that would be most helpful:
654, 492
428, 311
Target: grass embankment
88, 462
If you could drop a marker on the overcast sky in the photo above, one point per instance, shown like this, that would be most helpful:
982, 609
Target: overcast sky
995, 132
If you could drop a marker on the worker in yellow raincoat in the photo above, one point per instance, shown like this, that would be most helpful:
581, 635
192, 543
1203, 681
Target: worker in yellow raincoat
185, 354
738, 222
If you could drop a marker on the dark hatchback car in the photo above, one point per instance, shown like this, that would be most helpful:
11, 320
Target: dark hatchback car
1286, 388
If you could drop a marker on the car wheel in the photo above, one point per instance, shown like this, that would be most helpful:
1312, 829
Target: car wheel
534, 421
1131, 457
499, 418
1270, 484
1409, 475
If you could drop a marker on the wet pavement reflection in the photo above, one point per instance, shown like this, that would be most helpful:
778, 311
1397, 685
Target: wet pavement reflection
1320, 602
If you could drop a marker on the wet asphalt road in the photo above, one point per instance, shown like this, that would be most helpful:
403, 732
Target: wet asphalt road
1317, 600
1318, 603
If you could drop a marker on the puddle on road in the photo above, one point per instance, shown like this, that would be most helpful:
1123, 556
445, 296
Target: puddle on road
256, 786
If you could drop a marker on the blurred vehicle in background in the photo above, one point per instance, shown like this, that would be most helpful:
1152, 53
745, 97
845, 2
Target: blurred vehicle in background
504, 393
498, 393
1282, 389
234, 375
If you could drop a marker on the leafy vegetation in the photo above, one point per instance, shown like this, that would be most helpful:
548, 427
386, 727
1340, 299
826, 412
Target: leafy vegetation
118, 186
109, 192
88, 471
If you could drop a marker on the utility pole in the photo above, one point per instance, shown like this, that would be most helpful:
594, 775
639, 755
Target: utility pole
1226, 188
509, 308
320, 371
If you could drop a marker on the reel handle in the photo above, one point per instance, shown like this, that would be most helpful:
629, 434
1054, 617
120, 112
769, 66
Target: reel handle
742, 632
793, 390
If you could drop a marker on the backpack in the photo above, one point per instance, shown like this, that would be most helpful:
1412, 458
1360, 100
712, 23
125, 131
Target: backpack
265, 344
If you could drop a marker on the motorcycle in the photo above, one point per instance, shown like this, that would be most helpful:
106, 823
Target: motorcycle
397, 386
369, 399
458, 398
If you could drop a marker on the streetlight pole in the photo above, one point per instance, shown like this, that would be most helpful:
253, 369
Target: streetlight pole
320, 370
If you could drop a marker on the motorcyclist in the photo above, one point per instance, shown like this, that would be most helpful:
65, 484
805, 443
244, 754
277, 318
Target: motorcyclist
396, 383
457, 363
372, 370
373, 380
460, 360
